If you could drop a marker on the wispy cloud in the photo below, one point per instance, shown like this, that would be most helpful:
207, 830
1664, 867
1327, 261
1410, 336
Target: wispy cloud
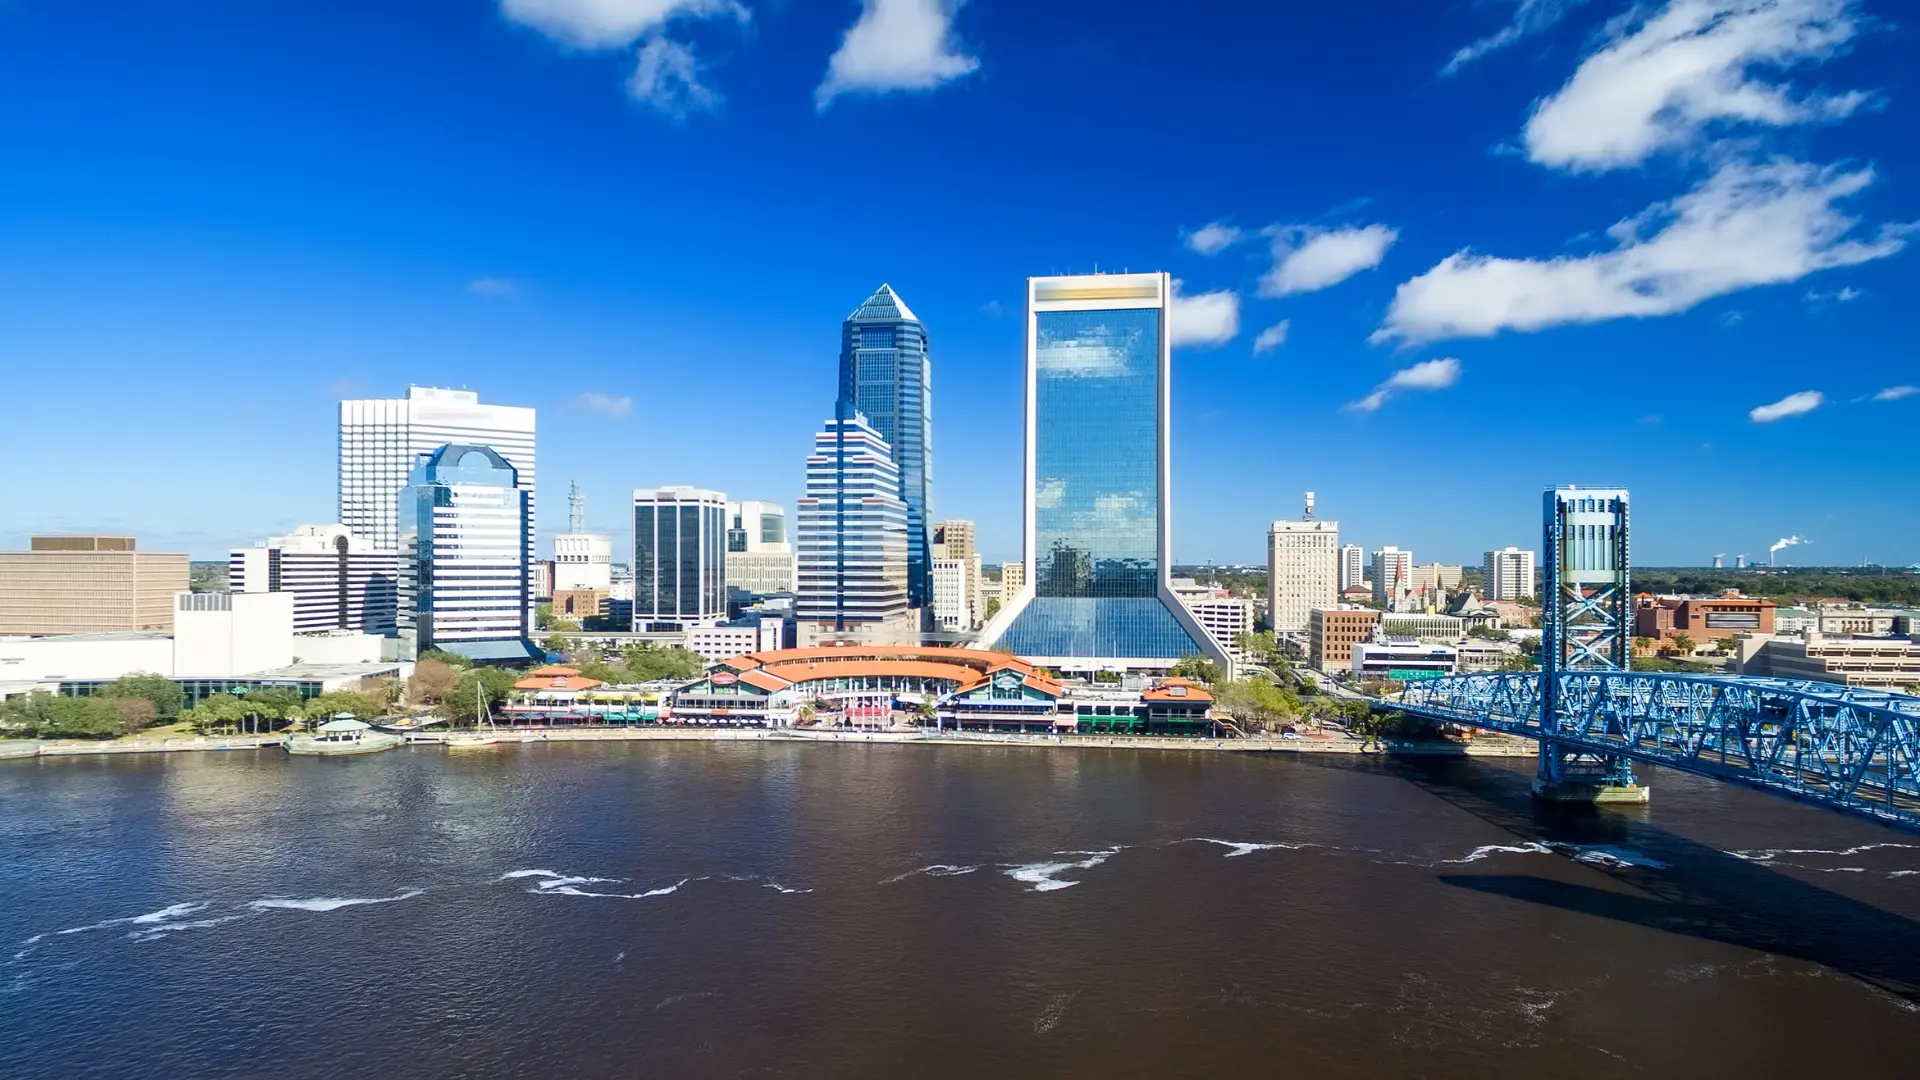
604, 404
1272, 337
667, 76
1308, 258
1426, 375
1212, 238
1662, 77
1798, 404
493, 286
1530, 17
1746, 225
1838, 296
897, 45
1203, 319
1896, 393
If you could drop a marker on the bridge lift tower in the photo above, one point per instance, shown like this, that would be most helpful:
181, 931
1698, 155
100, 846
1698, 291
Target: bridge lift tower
1586, 624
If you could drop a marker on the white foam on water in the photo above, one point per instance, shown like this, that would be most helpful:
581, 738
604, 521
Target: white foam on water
1487, 851
936, 870
1903, 873
1243, 847
512, 874
155, 933
165, 914
329, 903
569, 890
1049, 1017
1770, 854
777, 887
1045, 876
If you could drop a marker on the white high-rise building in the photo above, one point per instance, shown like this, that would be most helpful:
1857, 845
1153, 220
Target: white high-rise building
853, 540
582, 561
1303, 569
951, 610
339, 581
1507, 574
380, 439
1353, 566
466, 583
679, 558
760, 557
1392, 574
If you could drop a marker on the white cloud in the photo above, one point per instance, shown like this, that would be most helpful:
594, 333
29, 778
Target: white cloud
1212, 238
1048, 494
1746, 225
1206, 319
1426, 375
1838, 296
1272, 337
493, 286
1792, 405
1895, 393
667, 76
1529, 17
1307, 259
604, 404
610, 24
896, 45
1661, 78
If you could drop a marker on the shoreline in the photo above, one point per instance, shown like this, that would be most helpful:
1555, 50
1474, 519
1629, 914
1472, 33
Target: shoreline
1491, 747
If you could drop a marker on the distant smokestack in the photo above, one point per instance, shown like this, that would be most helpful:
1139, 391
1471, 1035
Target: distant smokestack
1309, 506
1739, 562
1719, 561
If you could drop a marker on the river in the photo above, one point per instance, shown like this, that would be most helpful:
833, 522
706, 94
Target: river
771, 909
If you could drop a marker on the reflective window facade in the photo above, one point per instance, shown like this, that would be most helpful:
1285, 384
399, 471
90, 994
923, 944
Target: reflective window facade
1096, 437
885, 376
679, 556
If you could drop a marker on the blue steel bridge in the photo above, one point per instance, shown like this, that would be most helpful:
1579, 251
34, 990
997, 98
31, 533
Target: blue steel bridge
1852, 750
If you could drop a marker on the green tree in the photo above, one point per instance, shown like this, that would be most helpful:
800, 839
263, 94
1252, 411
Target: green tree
558, 642
166, 696
644, 663
463, 703
993, 606
326, 706
1257, 703
542, 616
28, 716
1683, 644
86, 718
442, 656
136, 713
1198, 668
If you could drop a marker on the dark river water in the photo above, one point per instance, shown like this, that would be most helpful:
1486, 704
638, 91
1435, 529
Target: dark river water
772, 909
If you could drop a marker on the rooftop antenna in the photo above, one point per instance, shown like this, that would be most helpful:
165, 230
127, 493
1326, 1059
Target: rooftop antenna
576, 508
1309, 506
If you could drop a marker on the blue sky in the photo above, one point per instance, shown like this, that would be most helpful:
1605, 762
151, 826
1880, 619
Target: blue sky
1512, 244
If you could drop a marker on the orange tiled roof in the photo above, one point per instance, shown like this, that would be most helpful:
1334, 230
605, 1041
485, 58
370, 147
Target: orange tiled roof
1164, 691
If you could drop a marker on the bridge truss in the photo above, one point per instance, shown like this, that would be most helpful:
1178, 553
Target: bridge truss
1852, 750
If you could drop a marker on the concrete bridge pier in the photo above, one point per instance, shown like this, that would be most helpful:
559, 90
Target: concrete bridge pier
1593, 781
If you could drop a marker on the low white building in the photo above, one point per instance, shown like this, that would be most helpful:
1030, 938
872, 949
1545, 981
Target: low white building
339, 581
1403, 659
716, 643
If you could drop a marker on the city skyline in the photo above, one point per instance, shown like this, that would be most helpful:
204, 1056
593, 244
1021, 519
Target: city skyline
497, 257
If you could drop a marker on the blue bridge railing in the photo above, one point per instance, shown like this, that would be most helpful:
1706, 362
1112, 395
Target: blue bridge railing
1852, 750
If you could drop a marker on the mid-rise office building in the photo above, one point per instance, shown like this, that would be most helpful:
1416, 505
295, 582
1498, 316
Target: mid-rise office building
1703, 618
1333, 632
1403, 660
1507, 574
955, 540
1224, 618
1353, 566
1873, 663
885, 375
853, 541
1097, 531
1013, 578
381, 439
338, 580
952, 603
679, 558
1303, 569
1392, 574
466, 584
760, 556
87, 585
582, 561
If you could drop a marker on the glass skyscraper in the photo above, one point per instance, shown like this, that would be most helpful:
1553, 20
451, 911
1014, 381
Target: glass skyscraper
1098, 547
885, 376
464, 521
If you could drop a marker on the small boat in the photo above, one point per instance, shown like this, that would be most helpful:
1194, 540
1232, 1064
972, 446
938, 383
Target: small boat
479, 737
341, 736
19, 748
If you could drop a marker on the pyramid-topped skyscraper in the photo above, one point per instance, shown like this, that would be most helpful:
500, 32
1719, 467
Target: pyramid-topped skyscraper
885, 375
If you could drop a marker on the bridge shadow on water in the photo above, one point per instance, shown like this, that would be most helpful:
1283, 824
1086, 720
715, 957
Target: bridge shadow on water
1701, 892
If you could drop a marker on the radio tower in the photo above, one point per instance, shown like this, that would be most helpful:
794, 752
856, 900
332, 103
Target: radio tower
576, 509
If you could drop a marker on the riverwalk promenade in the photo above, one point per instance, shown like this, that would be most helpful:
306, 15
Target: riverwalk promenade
1313, 744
